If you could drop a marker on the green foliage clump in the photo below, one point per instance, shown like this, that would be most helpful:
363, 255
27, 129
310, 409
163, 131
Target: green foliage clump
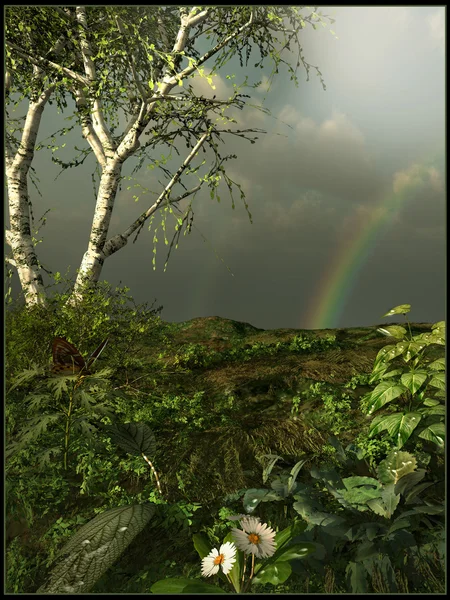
417, 386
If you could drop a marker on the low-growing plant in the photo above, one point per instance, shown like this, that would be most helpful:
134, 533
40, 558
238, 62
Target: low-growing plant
369, 522
418, 386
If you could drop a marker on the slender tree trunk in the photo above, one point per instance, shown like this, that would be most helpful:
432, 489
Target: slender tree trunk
19, 236
93, 259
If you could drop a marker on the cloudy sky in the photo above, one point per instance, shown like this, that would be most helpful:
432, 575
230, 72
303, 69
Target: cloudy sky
347, 190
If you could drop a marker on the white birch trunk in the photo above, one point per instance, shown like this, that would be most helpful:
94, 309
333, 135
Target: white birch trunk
93, 259
19, 236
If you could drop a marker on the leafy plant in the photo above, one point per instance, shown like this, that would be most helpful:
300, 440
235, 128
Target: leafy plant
99, 543
360, 521
423, 413
274, 569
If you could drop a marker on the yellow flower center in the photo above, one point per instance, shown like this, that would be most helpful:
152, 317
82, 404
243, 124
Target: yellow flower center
219, 559
253, 538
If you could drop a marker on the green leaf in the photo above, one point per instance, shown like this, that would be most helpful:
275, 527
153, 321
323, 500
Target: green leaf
434, 433
401, 309
275, 573
414, 380
395, 466
295, 551
409, 480
356, 574
173, 585
201, 544
387, 353
393, 330
95, 547
437, 365
134, 438
385, 392
254, 496
438, 381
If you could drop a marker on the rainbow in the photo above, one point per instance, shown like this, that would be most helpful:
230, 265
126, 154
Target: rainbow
341, 275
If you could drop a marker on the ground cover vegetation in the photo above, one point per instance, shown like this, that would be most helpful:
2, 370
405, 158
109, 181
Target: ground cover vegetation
212, 456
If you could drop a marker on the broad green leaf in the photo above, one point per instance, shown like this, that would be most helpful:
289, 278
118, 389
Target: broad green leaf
294, 472
410, 349
416, 490
275, 573
438, 381
395, 466
434, 433
384, 392
357, 574
295, 551
201, 544
387, 573
387, 353
254, 496
399, 426
424, 510
390, 499
134, 438
393, 330
414, 380
401, 309
96, 546
400, 523
409, 480
365, 550
290, 532
437, 365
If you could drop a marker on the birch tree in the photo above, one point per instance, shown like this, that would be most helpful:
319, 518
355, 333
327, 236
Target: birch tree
137, 62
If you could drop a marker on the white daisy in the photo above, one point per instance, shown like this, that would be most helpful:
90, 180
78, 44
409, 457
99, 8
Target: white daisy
224, 557
257, 538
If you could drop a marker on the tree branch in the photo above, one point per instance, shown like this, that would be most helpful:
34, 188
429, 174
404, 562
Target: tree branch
120, 240
39, 61
188, 70
100, 127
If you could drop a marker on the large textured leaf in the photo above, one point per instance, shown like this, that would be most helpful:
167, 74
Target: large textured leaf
401, 309
386, 354
184, 586
360, 489
384, 392
399, 425
95, 547
390, 499
434, 433
356, 576
438, 381
437, 365
414, 380
395, 466
134, 438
